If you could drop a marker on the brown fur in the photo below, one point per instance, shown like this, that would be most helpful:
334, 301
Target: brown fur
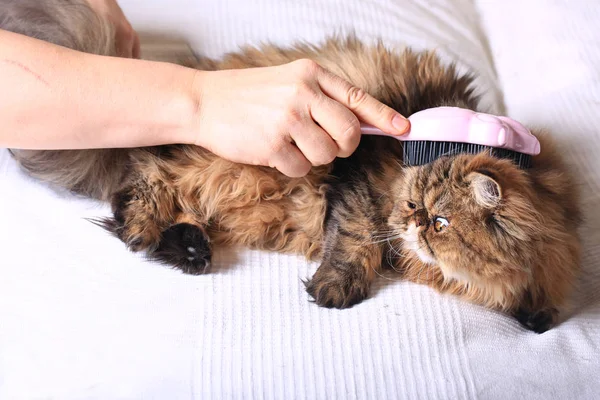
519, 254
511, 243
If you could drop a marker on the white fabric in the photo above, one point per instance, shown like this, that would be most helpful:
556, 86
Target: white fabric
82, 318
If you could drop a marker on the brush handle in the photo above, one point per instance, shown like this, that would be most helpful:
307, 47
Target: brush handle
454, 124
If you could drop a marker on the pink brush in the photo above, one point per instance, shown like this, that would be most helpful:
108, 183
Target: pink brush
450, 130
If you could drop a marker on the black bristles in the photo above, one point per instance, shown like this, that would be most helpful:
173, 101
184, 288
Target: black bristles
423, 152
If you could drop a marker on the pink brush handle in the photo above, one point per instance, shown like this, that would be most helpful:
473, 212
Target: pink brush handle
453, 124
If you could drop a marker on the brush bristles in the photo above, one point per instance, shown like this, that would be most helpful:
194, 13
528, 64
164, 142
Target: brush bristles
423, 152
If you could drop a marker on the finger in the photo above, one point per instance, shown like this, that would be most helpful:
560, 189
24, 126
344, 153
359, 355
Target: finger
290, 161
315, 144
339, 122
136, 46
123, 49
125, 42
365, 106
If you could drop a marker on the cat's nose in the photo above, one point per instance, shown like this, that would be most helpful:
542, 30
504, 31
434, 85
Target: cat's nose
421, 218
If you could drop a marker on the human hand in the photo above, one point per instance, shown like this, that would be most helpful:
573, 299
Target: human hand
290, 117
127, 40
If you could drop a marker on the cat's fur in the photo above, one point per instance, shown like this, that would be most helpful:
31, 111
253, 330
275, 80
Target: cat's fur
511, 241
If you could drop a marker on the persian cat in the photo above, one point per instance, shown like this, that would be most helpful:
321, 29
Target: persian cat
473, 226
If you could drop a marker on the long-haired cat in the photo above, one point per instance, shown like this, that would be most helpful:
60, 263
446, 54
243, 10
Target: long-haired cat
470, 225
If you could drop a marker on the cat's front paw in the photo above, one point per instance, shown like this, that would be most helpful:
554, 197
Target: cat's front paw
537, 321
337, 288
185, 246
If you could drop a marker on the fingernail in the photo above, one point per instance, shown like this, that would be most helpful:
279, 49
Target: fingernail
400, 123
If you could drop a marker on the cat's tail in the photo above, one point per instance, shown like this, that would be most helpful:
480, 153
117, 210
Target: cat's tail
72, 24
93, 173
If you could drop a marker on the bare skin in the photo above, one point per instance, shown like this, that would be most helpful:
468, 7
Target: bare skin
289, 117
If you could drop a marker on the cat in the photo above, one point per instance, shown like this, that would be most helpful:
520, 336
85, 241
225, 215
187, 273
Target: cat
473, 226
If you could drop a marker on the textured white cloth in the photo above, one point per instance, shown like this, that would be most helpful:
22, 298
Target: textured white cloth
82, 318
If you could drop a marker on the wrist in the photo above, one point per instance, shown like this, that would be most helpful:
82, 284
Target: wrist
156, 104
174, 105
187, 108
195, 94
197, 132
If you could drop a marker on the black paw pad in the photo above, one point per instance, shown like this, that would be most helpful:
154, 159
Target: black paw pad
184, 246
539, 321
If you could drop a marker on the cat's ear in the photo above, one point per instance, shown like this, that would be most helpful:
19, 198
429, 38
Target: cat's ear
486, 190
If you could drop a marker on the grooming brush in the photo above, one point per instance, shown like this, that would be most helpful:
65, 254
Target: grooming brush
440, 131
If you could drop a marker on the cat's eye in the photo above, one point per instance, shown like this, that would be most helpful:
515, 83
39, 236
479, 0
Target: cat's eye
412, 206
439, 224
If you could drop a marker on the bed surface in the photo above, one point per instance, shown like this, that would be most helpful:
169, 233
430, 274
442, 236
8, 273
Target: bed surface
82, 318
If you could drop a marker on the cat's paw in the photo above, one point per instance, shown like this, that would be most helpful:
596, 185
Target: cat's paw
128, 223
184, 246
537, 321
337, 288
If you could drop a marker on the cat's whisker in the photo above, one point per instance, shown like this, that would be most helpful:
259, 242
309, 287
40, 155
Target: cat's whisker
386, 231
390, 260
386, 239
420, 272
383, 276
530, 217
395, 251
395, 270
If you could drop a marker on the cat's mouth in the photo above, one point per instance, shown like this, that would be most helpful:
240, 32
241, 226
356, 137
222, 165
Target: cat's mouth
413, 241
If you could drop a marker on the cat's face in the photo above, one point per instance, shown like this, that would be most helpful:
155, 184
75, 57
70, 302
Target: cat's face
469, 215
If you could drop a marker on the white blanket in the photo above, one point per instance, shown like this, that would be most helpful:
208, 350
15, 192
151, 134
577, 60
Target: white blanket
82, 318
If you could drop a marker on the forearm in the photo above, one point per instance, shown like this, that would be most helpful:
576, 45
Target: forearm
56, 98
